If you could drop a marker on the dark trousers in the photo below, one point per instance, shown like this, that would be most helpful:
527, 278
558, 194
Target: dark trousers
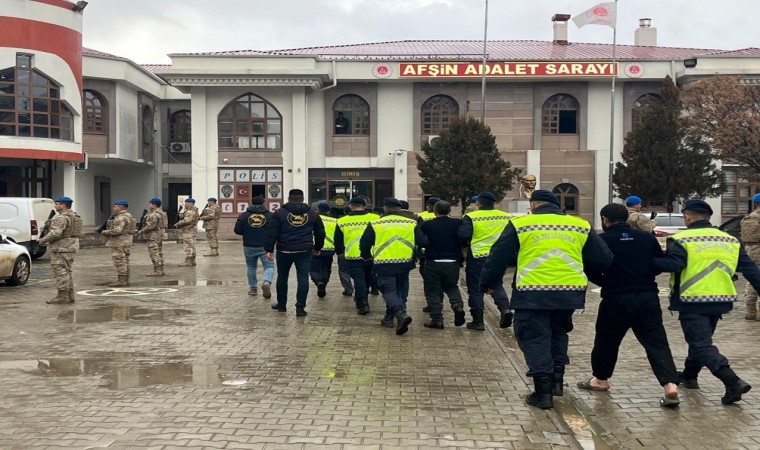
302, 261
360, 274
345, 277
698, 330
639, 311
321, 267
542, 336
475, 295
391, 287
440, 278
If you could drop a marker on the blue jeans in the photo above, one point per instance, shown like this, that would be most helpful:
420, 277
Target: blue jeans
252, 257
302, 261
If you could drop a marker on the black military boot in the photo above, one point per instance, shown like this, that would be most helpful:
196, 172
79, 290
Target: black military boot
387, 321
542, 396
558, 381
735, 386
506, 319
688, 378
402, 322
321, 289
458, 315
434, 323
362, 306
477, 321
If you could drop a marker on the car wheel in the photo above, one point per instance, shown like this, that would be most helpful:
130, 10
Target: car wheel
21, 270
37, 250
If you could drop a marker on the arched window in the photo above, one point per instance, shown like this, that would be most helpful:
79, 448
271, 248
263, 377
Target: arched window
351, 115
179, 127
437, 113
640, 104
559, 115
147, 126
95, 112
568, 196
249, 121
30, 104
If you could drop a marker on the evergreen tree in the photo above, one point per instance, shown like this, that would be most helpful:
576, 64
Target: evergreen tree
661, 162
463, 161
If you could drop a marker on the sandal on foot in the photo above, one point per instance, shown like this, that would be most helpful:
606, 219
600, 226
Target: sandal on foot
590, 387
666, 402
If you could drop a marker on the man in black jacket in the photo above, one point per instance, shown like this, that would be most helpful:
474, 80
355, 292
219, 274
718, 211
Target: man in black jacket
252, 225
630, 301
297, 231
443, 256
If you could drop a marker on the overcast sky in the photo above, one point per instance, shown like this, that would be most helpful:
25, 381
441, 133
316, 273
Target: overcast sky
145, 31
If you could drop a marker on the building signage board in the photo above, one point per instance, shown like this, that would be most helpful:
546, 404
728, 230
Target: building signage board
507, 69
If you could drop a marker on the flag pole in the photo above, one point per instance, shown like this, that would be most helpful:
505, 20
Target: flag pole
483, 78
612, 105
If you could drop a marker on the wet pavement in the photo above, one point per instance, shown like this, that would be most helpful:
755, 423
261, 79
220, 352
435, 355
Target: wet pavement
191, 361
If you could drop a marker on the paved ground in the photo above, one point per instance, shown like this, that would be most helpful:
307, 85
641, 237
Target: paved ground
195, 362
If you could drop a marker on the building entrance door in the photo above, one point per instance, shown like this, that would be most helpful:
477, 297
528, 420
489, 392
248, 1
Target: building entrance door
348, 189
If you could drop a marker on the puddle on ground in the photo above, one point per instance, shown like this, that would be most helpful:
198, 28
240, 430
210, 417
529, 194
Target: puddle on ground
582, 431
196, 282
119, 314
202, 375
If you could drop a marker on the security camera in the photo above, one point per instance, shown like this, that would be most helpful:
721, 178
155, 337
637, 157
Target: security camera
399, 152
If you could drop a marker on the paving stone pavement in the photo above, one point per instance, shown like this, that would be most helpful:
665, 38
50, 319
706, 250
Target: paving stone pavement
193, 362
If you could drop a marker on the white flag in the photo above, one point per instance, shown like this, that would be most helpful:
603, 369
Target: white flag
601, 14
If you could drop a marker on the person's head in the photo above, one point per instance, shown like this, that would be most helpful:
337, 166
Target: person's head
379, 210
258, 200
190, 202
486, 199
404, 204
612, 214
120, 205
323, 208
529, 181
211, 201
62, 203
430, 203
633, 202
295, 196
391, 205
756, 201
442, 208
340, 115
357, 204
154, 203
696, 209
541, 197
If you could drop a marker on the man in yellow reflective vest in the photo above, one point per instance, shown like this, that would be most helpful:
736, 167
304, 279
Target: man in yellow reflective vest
429, 212
550, 251
321, 265
348, 233
390, 243
703, 261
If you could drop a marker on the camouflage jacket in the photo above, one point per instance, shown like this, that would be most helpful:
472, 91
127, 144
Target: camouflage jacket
119, 230
750, 228
640, 221
59, 234
189, 221
154, 225
211, 217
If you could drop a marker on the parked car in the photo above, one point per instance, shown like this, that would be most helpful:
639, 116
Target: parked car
733, 227
22, 220
667, 224
15, 262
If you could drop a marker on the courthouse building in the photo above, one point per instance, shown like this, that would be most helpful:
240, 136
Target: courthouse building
337, 121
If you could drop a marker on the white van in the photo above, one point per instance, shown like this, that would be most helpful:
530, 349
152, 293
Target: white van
22, 220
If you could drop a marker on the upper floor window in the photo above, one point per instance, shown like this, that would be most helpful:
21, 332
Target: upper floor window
30, 104
437, 113
568, 197
147, 126
737, 198
559, 115
351, 115
249, 121
95, 112
179, 127
640, 104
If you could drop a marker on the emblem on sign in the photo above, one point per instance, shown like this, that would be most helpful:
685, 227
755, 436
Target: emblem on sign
634, 70
382, 70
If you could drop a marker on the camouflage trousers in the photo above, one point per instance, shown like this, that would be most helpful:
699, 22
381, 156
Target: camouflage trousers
213, 242
156, 251
120, 257
62, 267
188, 244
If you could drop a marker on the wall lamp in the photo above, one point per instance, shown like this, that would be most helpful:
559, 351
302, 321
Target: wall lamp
80, 5
690, 62
398, 152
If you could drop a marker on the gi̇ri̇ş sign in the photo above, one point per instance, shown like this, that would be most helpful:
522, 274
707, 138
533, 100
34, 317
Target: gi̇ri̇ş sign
505, 69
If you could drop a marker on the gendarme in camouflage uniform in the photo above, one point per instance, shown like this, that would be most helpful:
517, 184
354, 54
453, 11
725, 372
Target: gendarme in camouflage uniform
154, 227
210, 218
61, 235
636, 219
188, 224
751, 240
119, 235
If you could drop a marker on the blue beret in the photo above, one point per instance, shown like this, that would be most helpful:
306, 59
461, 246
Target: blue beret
633, 200
697, 205
543, 195
358, 201
390, 201
155, 200
433, 200
212, 199
474, 198
756, 198
487, 195
121, 203
64, 199
323, 206
190, 200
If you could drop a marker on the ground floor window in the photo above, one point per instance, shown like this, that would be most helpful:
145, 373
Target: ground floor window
239, 185
737, 198
568, 197
26, 178
339, 186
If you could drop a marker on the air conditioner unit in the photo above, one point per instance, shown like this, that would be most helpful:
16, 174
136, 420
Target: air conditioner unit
432, 138
180, 147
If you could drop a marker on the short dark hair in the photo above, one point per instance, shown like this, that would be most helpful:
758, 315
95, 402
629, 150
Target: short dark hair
485, 201
615, 213
443, 207
404, 204
258, 200
295, 195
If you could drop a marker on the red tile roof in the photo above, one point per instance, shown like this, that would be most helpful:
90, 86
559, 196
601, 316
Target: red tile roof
153, 67
751, 51
98, 54
473, 49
